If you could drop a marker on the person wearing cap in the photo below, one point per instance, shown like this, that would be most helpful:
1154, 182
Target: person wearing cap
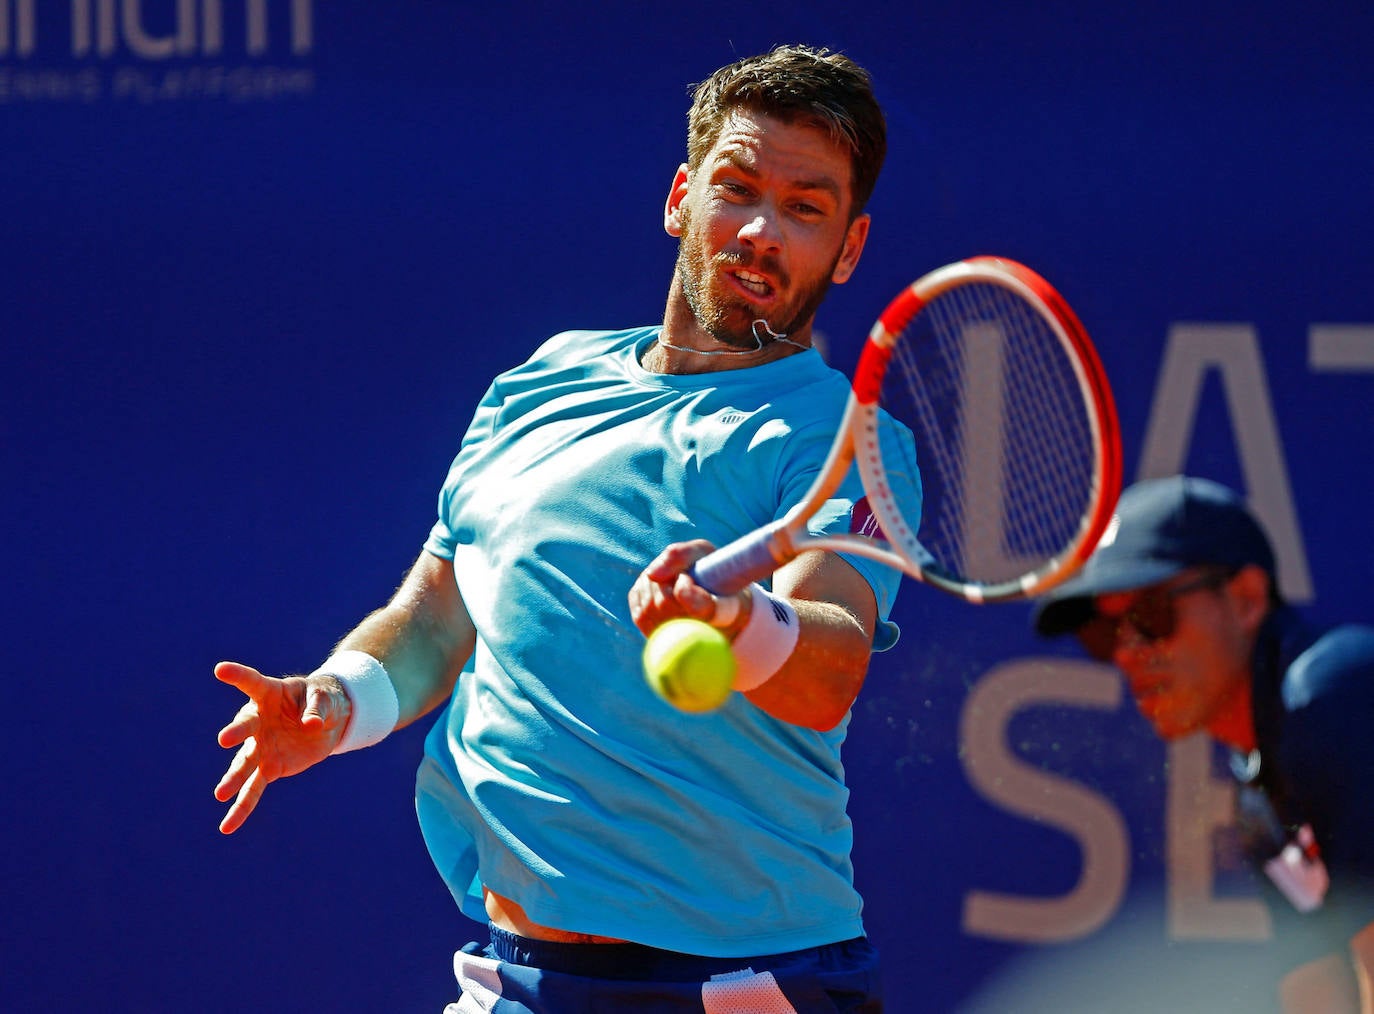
1182, 596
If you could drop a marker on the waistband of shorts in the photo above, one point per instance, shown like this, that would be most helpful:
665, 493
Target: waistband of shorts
637, 962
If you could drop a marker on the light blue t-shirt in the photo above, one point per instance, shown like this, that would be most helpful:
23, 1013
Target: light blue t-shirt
556, 776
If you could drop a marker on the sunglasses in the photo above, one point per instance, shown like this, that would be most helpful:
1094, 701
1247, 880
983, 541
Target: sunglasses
1153, 615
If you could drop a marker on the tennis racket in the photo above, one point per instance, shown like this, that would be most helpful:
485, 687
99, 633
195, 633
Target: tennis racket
986, 439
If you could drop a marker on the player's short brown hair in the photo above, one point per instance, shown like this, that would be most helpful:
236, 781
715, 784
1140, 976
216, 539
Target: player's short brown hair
796, 83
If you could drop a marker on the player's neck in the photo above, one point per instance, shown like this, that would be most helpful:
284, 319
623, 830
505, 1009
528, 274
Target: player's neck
684, 346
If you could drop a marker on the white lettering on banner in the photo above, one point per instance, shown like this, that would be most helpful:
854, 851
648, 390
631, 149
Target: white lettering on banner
1232, 350
995, 771
1341, 348
25, 32
183, 43
1199, 805
208, 15
133, 55
198, 27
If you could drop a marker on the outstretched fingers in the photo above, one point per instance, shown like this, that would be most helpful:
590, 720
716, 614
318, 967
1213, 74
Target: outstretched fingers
244, 781
245, 677
244, 725
243, 765
246, 802
287, 725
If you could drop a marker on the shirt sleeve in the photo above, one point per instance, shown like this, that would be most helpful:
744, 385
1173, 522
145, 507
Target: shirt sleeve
443, 540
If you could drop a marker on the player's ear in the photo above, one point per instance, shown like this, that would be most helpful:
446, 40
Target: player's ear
854, 239
1249, 589
672, 208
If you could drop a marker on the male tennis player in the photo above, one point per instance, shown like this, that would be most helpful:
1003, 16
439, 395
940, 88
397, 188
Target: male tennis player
625, 856
1182, 596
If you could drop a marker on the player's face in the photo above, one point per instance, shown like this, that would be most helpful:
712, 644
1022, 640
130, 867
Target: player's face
764, 228
1197, 677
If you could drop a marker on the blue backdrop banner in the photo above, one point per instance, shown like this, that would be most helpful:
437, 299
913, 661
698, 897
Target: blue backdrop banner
261, 259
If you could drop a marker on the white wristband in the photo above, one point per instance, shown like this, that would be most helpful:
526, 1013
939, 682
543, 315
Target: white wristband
767, 640
375, 705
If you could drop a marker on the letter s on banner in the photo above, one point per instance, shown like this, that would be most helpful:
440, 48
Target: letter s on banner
996, 772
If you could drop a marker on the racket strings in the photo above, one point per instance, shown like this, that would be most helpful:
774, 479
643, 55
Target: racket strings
1005, 444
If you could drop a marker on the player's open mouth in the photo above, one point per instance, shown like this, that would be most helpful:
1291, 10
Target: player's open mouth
755, 284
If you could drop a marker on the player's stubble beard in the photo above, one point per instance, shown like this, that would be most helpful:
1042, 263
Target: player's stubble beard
731, 321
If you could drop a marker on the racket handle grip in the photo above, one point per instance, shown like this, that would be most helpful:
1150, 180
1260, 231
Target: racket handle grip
734, 567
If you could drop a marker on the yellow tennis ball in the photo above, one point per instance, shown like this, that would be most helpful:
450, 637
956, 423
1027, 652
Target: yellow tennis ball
690, 665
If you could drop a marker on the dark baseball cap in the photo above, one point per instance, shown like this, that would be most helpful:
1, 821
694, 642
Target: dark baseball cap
1161, 527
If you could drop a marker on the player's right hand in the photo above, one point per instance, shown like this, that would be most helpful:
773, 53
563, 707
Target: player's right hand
665, 590
287, 725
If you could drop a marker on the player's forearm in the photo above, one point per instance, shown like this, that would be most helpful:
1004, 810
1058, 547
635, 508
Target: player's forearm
819, 682
836, 610
423, 637
420, 671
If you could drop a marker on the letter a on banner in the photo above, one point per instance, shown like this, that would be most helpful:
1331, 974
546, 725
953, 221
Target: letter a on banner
1233, 350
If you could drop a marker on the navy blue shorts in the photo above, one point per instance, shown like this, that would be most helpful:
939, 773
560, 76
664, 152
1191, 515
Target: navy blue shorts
516, 975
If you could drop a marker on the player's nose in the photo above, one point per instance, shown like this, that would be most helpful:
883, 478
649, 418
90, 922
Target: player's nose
761, 232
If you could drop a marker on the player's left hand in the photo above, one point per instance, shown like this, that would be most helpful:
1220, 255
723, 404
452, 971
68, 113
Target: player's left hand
286, 726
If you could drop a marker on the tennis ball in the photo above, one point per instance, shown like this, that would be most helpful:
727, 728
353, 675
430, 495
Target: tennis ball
690, 665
